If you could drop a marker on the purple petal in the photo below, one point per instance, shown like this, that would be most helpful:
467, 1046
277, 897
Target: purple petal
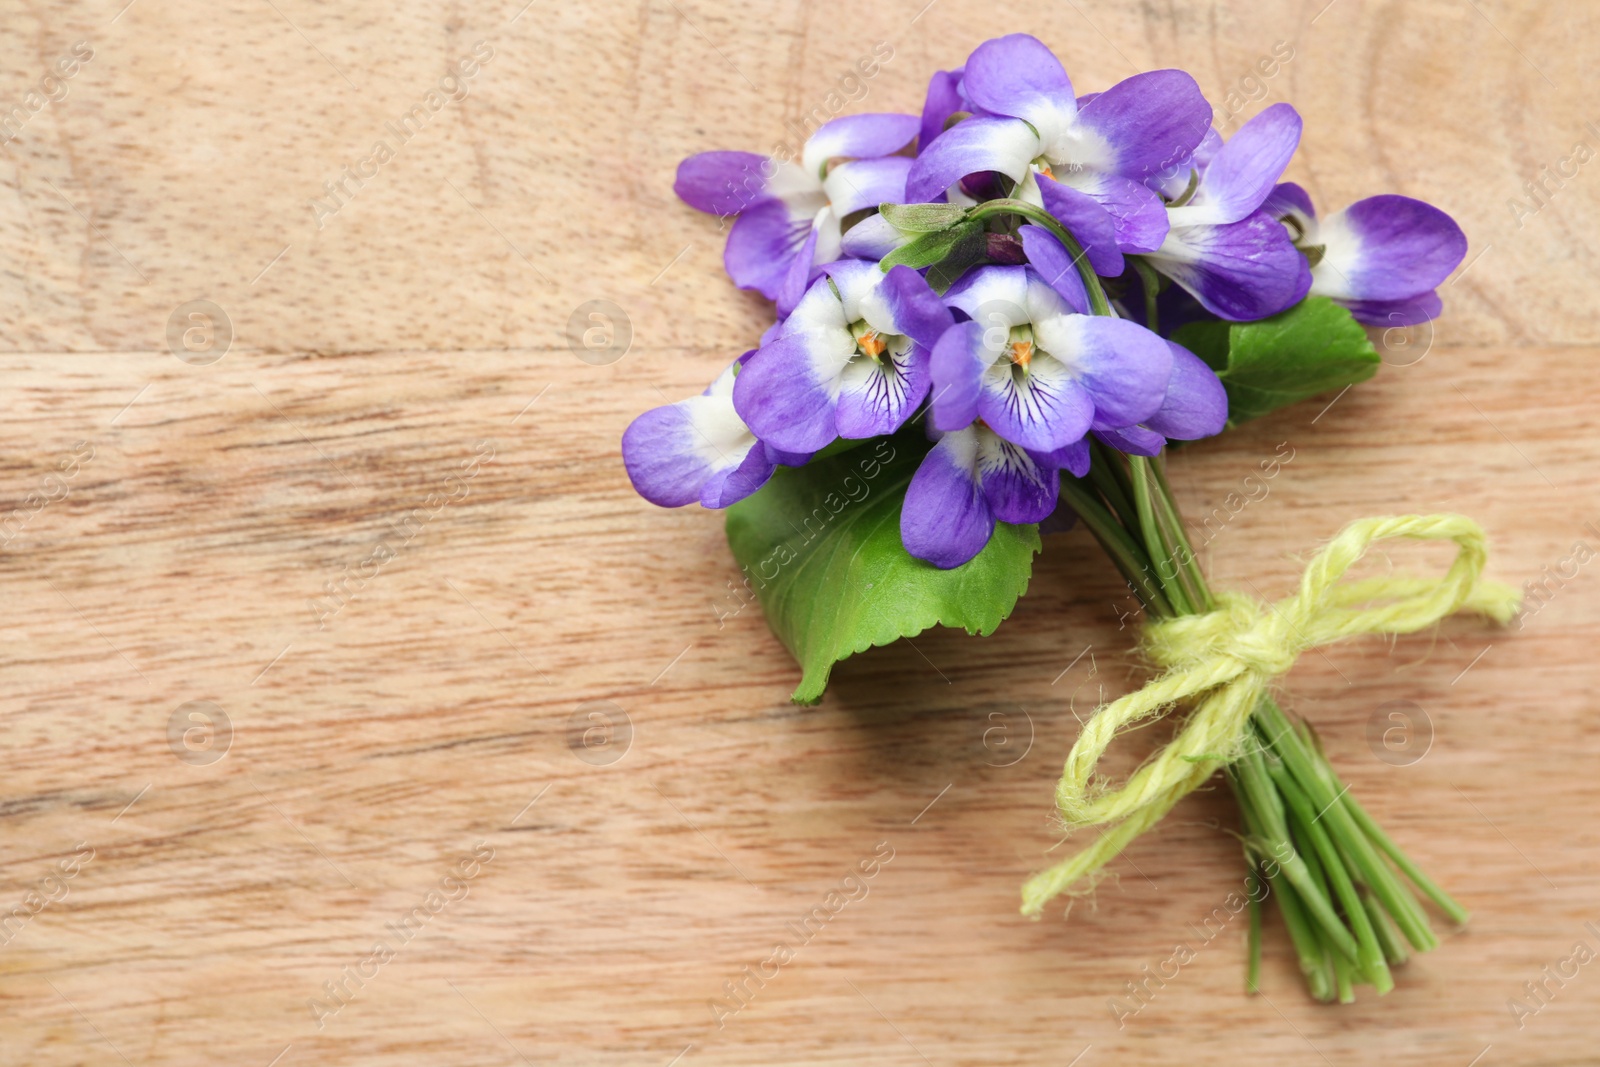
1386, 248
787, 393
798, 277
1017, 75
909, 306
1210, 145
723, 183
1049, 257
722, 384
696, 449
1241, 177
1086, 220
1240, 271
1017, 489
1073, 456
1413, 311
1196, 404
763, 243
788, 459
733, 485
866, 183
879, 395
1000, 297
1286, 199
857, 137
1122, 367
970, 146
992, 291
944, 99
957, 366
1063, 518
945, 518
1138, 215
1149, 123
1042, 408
1173, 182
1132, 440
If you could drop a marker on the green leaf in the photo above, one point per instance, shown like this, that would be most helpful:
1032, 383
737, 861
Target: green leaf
922, 218
820, 545
1313, 347
930, 248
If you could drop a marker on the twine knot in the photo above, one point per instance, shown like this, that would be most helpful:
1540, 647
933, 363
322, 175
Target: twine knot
1236, 629
1223, 661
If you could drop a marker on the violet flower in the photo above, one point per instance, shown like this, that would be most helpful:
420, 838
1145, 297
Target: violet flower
851, 360
1382, 257
1229, 254
790, 214
699, 450
1025, 114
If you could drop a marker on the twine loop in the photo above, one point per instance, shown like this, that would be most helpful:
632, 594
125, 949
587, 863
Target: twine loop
1223, 662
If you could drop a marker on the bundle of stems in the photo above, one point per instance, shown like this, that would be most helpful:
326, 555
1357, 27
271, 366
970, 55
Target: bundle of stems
1340, 882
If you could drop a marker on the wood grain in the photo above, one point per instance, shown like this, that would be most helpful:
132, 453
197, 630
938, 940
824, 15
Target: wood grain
442, 709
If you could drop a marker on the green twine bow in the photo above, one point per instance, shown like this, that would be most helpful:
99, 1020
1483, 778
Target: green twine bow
1227, 658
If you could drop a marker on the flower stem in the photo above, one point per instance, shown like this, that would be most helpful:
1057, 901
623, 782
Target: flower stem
1151, 284
1337, 876
1408, 867
1196, 581
1156, 539
1109, 474
1122, 549
1327, 859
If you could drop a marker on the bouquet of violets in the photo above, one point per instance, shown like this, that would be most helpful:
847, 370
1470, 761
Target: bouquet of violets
992, 319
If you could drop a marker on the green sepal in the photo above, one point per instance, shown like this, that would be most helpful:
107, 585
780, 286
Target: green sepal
934, 247
922, 218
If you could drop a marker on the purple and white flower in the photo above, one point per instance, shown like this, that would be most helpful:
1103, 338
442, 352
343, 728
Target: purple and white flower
1231, 255
1016, 389
1383, 257
851, 360
699, 450
1036, 369
790, 214
1026, 121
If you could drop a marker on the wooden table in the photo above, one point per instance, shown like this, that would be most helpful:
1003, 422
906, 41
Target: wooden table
411, 770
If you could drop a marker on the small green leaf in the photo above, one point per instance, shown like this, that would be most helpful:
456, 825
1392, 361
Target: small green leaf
1311, 348
922, 218
821, 547
931, 248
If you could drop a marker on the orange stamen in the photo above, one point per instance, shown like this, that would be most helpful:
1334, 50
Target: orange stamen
872, 344
1022, 353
